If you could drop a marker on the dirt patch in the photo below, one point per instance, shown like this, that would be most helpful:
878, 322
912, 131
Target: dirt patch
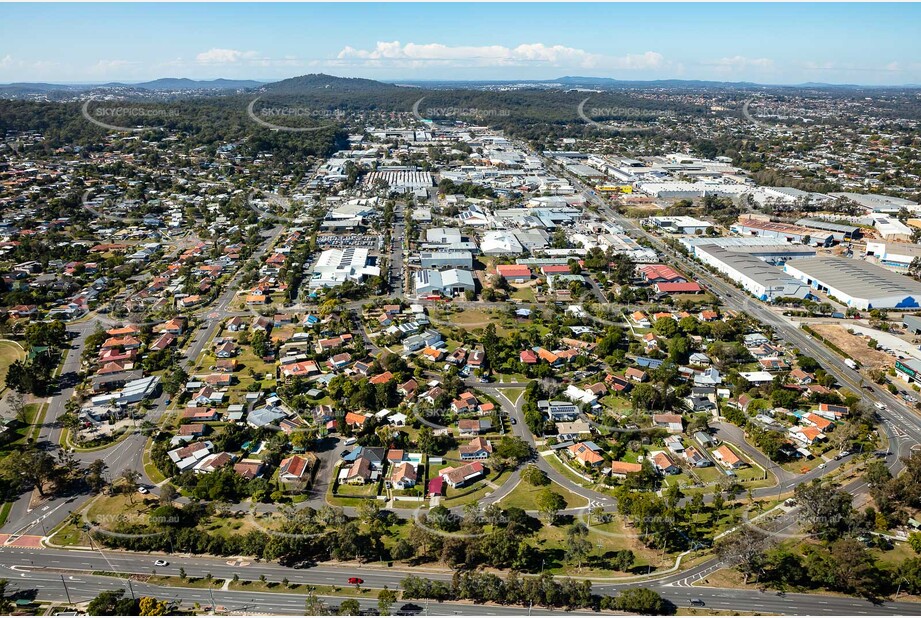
855, 345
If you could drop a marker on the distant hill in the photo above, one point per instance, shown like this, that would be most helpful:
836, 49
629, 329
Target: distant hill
608, 82
180, 83
166, 84
316, 82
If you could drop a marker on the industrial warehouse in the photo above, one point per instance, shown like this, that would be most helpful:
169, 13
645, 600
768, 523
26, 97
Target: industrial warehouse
856, 283
757, 277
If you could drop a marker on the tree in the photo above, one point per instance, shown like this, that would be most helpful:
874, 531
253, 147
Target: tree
350, 607
96, 475
549, 503
131, 481
914, 540
646, 397
827, 511
33, 466
385, 600
746, 549
6, 606
577, 545
532, 475
313, 606
112, 603
623, 560
641, 601
17, 405
149, 606
666, 327
168, 494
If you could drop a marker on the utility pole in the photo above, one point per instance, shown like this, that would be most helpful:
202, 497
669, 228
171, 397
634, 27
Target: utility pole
67, 592
133, 598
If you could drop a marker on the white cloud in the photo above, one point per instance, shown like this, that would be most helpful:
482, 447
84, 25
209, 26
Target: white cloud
217, 55
6, 62
739, 64
394, 53
109, 66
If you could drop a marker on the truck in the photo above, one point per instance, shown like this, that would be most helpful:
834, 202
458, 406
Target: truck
850, 363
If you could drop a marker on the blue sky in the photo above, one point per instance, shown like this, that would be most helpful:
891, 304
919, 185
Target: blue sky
767, 43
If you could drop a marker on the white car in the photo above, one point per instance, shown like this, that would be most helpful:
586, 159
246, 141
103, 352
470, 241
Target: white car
161, 563
880, 405
143, 490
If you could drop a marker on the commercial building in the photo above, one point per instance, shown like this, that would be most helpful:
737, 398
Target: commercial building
897, 254
400, 180
892, 229
446, 259
447, 282
500, 243
857, 283
878, 203
791, 233
680, 225
909, 370
690, 190
840, 231
336, 266
443, 235
771, 250
757, 277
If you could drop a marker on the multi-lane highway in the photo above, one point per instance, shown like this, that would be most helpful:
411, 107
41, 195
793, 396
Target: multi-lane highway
43, 571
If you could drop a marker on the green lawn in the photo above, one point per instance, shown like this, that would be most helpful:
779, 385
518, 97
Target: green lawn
10, 352
457, 497
18, 432
524, 496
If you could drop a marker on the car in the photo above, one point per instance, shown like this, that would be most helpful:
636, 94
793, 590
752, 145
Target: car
514, 421
697, 602
822, 465
880, 406
161, 563
143, 490
356, 580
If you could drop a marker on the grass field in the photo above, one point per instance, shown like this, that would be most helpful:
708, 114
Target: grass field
10, 352
524, 496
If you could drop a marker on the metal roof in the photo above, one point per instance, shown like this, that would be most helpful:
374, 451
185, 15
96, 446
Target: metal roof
856, 278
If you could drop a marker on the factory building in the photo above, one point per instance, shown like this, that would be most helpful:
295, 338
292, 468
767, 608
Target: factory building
791, 233
892, 229
447, 282
895, 254
679, 225
336, 266
857, 283
840, 231
771, 250
446, 259
756, 277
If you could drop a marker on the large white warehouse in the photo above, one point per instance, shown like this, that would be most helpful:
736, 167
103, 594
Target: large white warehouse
758, 278
857, 283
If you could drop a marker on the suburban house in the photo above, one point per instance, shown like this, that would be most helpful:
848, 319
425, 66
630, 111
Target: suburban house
587, 453
295, 469
672, 422
727, 458
403, 476
478, 448
460, 476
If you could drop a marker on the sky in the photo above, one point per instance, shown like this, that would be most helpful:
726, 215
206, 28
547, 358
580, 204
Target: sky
872, 44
